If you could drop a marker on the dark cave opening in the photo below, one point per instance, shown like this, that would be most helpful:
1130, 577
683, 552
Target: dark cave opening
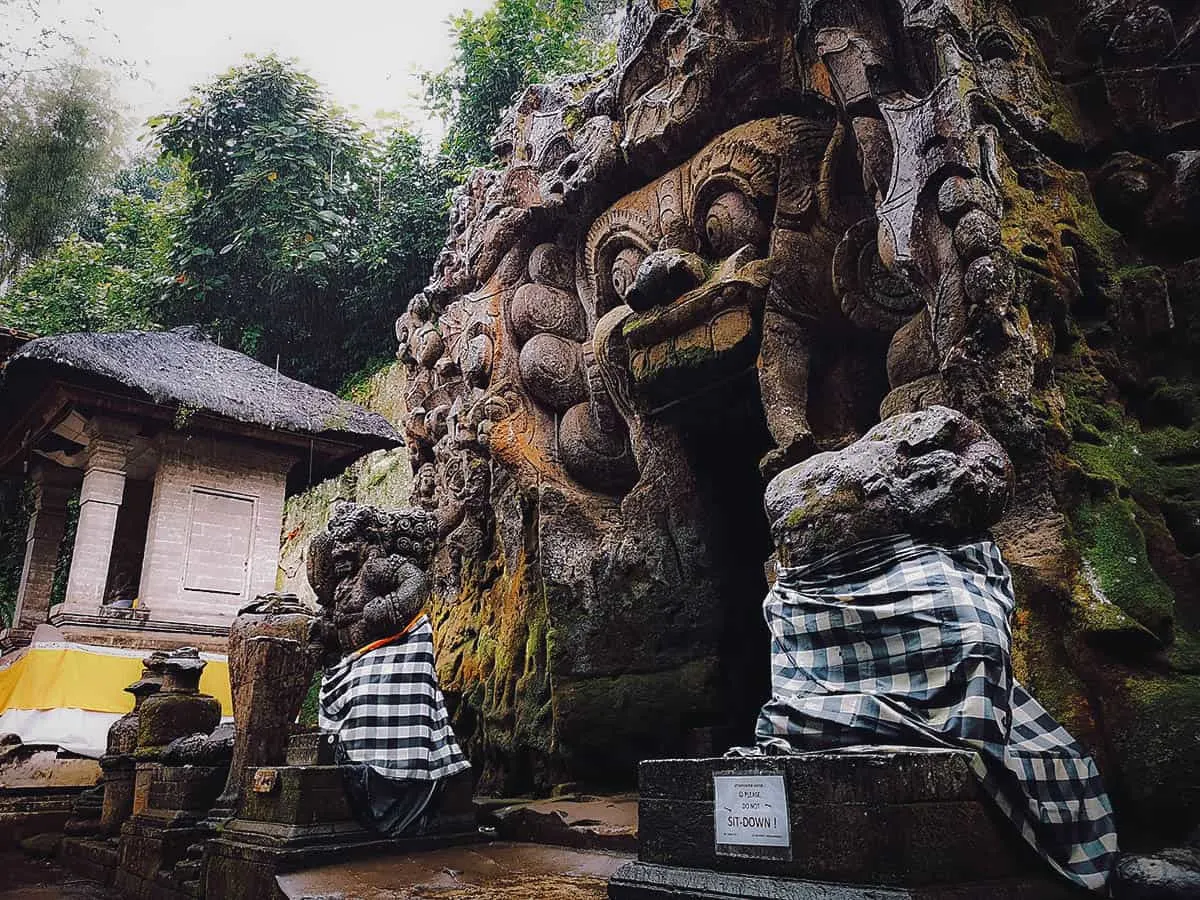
724, 434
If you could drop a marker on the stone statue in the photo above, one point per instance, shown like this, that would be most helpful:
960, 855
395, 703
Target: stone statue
379, 691
889, 621
178, 708
769, 229
368, 569
118, 761
934, 474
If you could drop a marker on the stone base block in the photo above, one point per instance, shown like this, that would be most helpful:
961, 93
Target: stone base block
147, 849
156, 840
297, 817
312, 748
90, 858
911, 821
26, 812
646, 881
162, 886
182, 792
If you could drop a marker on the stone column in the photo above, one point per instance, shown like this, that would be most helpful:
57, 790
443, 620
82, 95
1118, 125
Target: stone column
52, 486
99, 503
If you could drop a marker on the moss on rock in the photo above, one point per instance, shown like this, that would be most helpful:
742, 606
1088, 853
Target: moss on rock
1155, 729
1114, 550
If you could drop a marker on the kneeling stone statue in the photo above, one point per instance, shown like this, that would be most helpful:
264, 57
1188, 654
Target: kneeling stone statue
889, 622
379, 691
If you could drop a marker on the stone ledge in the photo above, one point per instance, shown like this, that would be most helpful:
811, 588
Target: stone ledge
896, 819
90, 858
137, 622
647, 881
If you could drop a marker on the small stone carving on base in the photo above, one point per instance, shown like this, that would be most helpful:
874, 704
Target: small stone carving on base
118, 763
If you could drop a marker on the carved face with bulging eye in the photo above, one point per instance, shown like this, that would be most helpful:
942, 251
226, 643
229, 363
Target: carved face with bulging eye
624, 270
733, 222
681, 268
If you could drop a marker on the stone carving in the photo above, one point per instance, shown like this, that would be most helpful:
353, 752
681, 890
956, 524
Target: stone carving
178, 708
118, 762
769, 227
368, 571
891, 585
182, 758
933, 474
273, 655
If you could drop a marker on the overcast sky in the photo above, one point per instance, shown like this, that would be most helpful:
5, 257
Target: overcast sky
366, 53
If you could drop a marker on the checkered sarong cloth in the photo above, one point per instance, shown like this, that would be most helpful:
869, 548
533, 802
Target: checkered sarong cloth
896, 642
388, 712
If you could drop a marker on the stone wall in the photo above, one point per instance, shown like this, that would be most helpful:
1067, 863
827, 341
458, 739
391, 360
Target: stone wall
383, 478
211, 489
771, 225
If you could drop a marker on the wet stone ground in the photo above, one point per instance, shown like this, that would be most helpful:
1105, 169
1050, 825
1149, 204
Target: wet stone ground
23, 878
499, 871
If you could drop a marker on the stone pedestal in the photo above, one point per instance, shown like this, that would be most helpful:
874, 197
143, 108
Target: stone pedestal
271, 665
118, 763
86, 812
882, 825
171, 796
176, 801
295, 817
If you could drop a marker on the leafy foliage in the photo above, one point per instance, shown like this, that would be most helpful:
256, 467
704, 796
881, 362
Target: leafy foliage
497, 53
108, 283
302, 236
58, 132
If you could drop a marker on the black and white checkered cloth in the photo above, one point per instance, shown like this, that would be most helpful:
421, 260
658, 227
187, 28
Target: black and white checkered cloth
896, 642
388, 712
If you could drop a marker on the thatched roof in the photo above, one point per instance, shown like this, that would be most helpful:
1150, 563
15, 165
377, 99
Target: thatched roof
181, 367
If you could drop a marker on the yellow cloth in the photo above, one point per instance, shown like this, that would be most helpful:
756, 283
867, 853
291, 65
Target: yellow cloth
74, 678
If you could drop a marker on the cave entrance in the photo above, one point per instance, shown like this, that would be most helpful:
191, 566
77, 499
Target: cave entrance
724, 435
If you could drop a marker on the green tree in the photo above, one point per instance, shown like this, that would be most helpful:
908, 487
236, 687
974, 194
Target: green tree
499, 52
58, 134
109, 282
399, 239
290, 239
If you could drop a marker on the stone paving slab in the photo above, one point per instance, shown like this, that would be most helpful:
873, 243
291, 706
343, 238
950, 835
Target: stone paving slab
497, 871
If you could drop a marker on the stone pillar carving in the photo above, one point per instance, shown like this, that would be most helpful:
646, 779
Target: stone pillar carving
99, 503
52, 487
118, 763
177, 710
272, 659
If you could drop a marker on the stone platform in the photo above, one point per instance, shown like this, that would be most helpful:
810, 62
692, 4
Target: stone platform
880, 825
297, 817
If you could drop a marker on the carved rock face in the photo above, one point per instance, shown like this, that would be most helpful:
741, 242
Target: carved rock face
768, 227
934, 474
680, 270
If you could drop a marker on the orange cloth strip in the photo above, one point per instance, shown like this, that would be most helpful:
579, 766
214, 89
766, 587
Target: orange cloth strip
383, 642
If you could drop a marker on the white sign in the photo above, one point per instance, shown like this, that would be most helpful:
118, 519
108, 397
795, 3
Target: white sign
751, 811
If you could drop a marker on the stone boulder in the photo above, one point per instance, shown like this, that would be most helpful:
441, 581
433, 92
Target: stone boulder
934, 474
